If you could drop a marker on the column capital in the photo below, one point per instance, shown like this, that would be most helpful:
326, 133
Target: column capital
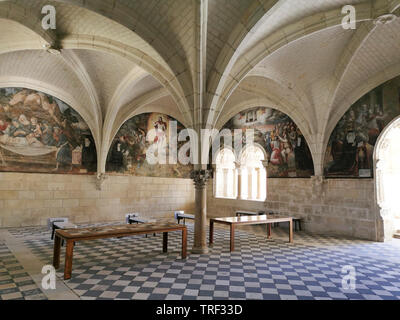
238, 165
100, 178
200, 178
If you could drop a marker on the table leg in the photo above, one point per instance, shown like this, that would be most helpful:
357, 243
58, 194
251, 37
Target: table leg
57, 251
291, 231
165, 242
269, 232
68, 259
232, 237
184, 243
211, 233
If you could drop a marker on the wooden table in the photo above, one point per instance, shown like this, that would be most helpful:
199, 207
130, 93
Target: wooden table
249, 220
73, 235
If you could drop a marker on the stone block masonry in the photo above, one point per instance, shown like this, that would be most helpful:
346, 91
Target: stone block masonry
345, 207
30, 199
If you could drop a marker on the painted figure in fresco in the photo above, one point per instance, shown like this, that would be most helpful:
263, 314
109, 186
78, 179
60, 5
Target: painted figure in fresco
293, 136
36, 130
276, 156
301, 152
161, 127
89, 159
346, 162
116, 159
3, 126
285, 150
374, 129
64, 152
24, 127
139, 146
47, 137
268, 145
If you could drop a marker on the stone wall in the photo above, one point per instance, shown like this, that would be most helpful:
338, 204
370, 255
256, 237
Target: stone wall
342, 207
29, 199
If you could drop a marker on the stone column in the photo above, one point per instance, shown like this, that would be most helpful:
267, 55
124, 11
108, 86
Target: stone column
239, 180
200, 178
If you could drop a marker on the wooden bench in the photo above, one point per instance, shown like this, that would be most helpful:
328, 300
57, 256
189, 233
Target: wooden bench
134, 218
296, 221
240, 213
181, 215
138, 220
84, 234
61, 224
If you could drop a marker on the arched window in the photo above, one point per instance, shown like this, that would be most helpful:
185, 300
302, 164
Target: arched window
226, 175
252, 174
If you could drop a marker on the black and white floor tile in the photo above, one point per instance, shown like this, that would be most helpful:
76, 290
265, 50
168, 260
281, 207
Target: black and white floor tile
309, 269
15, 283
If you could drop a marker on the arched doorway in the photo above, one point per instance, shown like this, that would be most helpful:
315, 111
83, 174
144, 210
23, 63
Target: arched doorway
387, 181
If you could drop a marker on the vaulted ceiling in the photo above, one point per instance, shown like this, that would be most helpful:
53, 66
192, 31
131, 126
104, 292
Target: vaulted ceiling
201, 61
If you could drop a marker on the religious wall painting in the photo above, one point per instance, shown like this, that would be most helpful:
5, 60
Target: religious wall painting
351, 146
128, 152
40, 133
287, 151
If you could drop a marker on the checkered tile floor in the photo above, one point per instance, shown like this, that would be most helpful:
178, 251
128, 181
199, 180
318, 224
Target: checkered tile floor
309, 269
15, 283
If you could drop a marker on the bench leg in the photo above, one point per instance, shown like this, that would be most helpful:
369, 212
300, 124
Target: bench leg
68, 259
291, 231
56, 252
53, 230
165, 242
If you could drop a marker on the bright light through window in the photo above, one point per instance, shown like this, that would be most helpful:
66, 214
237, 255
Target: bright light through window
253, 180
248, 181
226, 181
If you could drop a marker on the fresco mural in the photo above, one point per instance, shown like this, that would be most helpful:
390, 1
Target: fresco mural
40, 133
127, 154
351, 145
285, 145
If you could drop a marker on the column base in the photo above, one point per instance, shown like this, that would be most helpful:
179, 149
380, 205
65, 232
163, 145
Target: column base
200, 250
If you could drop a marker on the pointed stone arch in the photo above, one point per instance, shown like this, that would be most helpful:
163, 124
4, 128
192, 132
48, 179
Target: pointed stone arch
387, 181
